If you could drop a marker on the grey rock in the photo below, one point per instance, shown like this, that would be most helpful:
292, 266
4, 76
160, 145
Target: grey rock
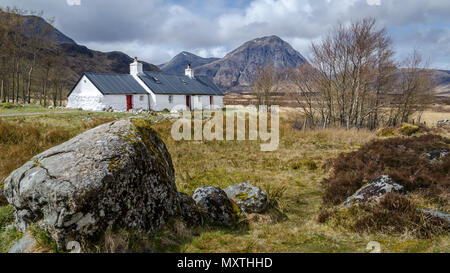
444, 121
24, 245
374, 190
119, 174
249, 198
191, 213
219, 209
436, 155
438, 214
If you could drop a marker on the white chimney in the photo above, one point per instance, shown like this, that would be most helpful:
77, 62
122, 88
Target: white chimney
189, 71
136, 67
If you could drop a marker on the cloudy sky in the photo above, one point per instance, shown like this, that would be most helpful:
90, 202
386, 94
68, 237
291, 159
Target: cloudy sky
156, 30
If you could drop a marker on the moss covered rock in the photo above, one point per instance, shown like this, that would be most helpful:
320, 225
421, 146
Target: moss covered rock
191, 214
249, 198
374, 190
218, 208
119, 174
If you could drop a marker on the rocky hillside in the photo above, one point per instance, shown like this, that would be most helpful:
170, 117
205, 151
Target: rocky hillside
36, 23
81, 59
442, 79
236, 70
178, 63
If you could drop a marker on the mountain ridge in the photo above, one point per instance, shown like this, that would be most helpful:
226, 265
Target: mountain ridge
178, 64
236, 70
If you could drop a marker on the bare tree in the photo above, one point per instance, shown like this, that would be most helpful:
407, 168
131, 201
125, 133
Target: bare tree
266, 84
413, 93
351, 78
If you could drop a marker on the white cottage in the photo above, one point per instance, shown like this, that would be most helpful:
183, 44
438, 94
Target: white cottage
145, 90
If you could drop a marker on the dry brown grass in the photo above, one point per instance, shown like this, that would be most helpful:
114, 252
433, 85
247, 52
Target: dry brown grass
20, 140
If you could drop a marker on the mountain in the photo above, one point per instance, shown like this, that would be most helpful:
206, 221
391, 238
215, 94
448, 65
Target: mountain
442, 80
178, 63
79, 59
38, 24
236, 70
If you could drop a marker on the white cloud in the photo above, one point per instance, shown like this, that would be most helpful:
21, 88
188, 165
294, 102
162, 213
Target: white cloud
73, 2
374, 2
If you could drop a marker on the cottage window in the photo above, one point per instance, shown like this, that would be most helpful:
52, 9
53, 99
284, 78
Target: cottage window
170, 99
141, 98
199, 98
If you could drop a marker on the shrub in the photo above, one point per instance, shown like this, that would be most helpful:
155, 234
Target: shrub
393, 214
7, 105
400, 158
308, 164
387, 132
408, 129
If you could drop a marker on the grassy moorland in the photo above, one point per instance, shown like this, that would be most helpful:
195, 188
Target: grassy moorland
291, 176
7, 109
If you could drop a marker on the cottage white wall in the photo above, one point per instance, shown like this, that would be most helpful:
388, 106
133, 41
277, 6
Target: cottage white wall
86, 96
151, 100
218, 102
140, 104
119, 102
162, 102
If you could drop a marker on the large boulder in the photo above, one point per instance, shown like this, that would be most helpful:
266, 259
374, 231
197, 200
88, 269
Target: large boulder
249, 198
377, 188
219, 209
119, 174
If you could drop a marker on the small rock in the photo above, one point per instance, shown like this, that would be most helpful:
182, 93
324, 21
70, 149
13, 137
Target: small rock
435, 155
374, 190
219, 209
438, 214
24, 245
190, 212
444, 121
249, 198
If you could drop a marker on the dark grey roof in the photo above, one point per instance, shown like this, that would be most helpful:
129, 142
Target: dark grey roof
162, 83
110, 84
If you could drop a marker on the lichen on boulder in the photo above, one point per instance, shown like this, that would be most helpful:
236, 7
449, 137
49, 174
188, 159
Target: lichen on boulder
378, 187
249, 198
219, 209
191, 213
119, 174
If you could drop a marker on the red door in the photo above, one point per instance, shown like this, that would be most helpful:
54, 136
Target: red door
210, 101
129, 102
188, 102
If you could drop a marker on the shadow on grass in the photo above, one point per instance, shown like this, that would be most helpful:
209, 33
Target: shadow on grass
176, 235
